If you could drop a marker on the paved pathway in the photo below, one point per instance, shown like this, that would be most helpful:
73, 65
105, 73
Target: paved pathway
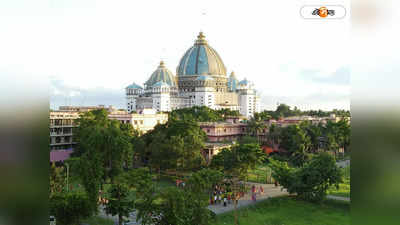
132, 217
343, 164
269, 191
338, 198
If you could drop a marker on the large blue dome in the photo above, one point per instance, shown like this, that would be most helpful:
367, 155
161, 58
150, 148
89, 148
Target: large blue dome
161, 74
201, 59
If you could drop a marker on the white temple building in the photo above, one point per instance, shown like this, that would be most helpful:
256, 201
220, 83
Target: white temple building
201, 80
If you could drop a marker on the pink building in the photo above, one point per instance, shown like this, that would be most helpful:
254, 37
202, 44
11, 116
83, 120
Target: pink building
223, 131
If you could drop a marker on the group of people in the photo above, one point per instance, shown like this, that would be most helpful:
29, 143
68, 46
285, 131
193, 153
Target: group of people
222, 196
102, 200
255, 190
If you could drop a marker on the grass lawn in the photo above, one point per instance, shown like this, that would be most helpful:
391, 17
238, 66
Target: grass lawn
289, 211
98, 221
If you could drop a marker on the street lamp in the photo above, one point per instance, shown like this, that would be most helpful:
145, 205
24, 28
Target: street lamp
67, 176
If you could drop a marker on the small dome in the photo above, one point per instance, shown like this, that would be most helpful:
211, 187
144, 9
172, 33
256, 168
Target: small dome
161, 74
134, 86
244, 82
201, 59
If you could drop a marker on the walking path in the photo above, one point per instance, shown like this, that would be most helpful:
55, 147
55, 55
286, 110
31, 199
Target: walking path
338, 198
269, 191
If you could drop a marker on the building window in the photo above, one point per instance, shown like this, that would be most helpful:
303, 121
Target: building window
135, 121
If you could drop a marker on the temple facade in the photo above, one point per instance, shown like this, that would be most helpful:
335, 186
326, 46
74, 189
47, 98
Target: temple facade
201, 80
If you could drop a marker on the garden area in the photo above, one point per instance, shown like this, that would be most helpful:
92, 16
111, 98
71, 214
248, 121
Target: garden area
163, 176
344, 187
289, 211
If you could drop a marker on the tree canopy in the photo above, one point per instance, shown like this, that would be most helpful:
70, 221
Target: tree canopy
201, 114
284, 110
312, 180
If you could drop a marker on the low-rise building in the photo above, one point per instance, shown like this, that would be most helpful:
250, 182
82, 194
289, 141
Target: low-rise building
61, 128
212, 149
85, 108
62, 123
144, 121
223, 131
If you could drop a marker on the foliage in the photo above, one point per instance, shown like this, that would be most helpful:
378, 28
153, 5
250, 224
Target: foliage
297, 143
119, 202
73, 163
57, 181
311, 181
344, 187
104, 148
182, 206
140, 179
248, 140
203, 181
97, 220
238, 160
176, 144
284, 110
235, 164
201, 114
255, 126
70, 208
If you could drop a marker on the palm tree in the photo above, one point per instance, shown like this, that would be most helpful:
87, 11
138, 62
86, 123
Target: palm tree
255, 126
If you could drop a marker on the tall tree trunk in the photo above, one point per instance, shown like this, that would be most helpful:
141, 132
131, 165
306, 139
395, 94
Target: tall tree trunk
236, 215
119, 219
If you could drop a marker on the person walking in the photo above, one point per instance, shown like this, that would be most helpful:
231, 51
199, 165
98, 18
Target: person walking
261, 190
253, 193
224, 200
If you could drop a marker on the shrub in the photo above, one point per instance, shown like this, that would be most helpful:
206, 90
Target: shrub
70, 208
311, 181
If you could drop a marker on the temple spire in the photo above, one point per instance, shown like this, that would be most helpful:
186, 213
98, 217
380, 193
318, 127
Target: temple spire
201, 39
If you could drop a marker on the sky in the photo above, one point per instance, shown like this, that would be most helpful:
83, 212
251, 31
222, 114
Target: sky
85, 52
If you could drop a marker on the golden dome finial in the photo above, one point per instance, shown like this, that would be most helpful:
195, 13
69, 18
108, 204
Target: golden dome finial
201, 38
161, 63
201, 35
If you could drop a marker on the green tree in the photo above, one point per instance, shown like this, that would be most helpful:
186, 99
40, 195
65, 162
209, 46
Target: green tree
297, 143
104, 148
70, 208
165, 143
119, 202
311, 181
256, 126
274, 133
235, 164
56, 179
187, 206
283, 110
